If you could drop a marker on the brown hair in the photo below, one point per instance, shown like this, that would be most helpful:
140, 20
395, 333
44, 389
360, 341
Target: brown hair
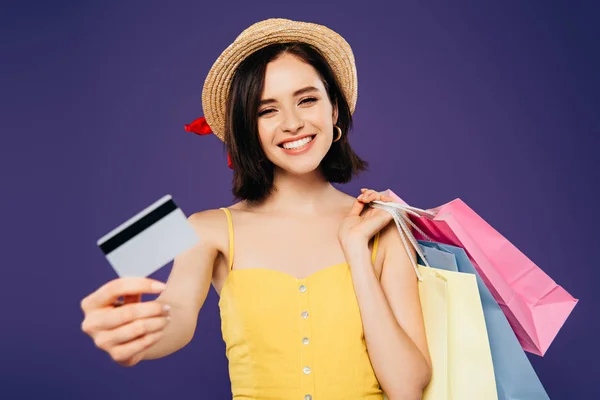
252, 172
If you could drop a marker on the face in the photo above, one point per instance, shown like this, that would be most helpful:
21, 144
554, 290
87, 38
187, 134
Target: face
295, 117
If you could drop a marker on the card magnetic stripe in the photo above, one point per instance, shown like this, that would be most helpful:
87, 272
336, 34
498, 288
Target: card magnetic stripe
138, 227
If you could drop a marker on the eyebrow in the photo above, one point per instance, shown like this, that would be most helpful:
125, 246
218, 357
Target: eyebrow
296, 93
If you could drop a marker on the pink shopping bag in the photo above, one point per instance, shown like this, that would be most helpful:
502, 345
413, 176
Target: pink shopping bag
535, 305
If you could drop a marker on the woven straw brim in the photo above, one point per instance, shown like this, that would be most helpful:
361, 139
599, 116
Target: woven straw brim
330, 44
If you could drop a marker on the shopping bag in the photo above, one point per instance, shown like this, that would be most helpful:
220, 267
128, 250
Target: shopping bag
515, 376
433, 293
534, 304
455, 328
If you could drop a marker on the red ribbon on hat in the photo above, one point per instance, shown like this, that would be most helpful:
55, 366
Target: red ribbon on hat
200, 127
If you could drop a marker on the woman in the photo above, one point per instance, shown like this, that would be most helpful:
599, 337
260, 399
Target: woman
318, 299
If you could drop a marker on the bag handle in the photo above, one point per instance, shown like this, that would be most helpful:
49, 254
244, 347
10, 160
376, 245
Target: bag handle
404, 217
401, 223
418, 212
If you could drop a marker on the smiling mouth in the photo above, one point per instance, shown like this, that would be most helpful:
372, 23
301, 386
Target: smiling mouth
297, 144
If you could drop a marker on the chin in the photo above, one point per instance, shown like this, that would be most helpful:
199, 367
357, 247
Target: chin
300, 166
302, 170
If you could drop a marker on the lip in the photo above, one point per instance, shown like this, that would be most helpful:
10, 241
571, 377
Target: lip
293, 139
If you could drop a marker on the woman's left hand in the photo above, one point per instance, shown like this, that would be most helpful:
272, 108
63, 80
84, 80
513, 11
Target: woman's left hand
359, 227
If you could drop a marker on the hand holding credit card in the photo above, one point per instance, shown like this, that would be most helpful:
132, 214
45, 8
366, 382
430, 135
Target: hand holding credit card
149, 240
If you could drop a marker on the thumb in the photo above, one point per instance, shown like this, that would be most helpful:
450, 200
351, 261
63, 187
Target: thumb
357, 208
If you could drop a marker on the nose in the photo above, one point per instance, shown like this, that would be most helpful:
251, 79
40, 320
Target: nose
291, 122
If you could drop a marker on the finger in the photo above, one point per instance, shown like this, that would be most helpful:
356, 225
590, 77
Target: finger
126, 351
380, 197
136, 358
357, 208
364, 197
110, 318
111, 291
376, 221
126, 333
369, 196
384, 198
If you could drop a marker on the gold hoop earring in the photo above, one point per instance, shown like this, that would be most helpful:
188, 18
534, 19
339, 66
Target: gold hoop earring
339, 136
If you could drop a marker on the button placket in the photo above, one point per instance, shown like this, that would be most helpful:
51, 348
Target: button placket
306, 368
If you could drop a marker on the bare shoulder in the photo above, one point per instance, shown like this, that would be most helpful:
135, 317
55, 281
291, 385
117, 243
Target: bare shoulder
212, 228
204, 217
345, 201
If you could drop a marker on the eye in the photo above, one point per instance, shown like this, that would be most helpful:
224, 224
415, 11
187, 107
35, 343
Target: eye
308, 100
265, 112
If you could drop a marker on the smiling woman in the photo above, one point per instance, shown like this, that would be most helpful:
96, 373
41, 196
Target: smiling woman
282, 93
318, 298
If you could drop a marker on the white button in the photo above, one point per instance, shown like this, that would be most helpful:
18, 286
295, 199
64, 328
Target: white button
304, 314
305, 341
306, 370
302, 288
308, 397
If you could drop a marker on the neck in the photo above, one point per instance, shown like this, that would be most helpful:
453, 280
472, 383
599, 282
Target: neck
299, 194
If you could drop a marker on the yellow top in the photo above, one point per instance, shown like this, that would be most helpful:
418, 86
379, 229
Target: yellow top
298, 339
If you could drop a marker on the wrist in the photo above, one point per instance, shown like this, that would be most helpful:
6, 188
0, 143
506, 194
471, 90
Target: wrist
355, 249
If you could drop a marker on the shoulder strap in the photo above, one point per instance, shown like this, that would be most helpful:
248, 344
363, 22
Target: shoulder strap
230, 230
375, 246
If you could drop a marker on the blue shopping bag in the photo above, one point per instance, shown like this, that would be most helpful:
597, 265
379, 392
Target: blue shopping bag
515, 376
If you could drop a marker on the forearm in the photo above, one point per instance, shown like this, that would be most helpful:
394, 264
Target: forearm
176, 335
398, 363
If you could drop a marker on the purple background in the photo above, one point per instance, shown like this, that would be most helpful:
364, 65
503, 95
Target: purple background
495, 104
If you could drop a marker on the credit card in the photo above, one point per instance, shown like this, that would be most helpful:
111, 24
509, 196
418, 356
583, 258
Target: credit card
149, 240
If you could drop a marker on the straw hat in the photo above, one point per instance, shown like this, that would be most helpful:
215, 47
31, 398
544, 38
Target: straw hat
330, 44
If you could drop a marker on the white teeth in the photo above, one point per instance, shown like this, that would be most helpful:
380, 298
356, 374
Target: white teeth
298, 143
